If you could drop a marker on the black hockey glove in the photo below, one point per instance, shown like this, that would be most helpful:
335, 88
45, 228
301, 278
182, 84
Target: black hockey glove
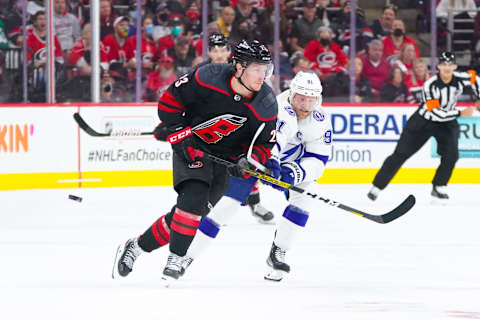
184, 144
237, 169
161, 132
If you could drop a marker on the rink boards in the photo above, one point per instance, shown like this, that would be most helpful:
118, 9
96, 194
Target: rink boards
42, 147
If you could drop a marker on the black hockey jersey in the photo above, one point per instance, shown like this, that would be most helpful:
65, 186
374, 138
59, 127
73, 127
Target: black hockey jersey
223, 121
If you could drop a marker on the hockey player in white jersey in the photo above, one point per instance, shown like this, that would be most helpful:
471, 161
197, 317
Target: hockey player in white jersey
302, 149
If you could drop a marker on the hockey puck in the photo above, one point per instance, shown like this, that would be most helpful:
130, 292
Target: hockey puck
72, 197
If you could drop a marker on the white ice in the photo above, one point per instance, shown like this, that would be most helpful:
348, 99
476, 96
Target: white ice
56, 257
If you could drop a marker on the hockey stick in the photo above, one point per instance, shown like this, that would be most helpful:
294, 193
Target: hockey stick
396, 213
90, 131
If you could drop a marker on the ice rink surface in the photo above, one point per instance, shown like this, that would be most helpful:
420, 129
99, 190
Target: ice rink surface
56, 257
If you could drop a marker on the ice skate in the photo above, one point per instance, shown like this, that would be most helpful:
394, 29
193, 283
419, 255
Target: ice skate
125, 258
439, 195
261, 213
187, 261
373, 193
173, 269
276, 262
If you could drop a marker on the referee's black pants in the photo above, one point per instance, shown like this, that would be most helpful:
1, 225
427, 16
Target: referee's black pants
416, 132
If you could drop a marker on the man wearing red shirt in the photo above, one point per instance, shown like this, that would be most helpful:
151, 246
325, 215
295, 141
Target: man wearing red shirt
147, 47
158, 81
393, 43
36, 42
375, 66
327, 56
116, 44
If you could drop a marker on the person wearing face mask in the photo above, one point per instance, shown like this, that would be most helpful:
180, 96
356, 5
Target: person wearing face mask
144, 11
393, 43
159, 80
161, 28
148, 47
177, 27
326, 56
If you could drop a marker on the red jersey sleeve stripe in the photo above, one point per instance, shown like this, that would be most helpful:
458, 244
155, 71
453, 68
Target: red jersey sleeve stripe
257, 115
168, 109
169, 99
267, 151
260, 153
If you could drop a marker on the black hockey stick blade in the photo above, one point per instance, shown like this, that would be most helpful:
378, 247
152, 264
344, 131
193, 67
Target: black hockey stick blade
396, 213
91, 132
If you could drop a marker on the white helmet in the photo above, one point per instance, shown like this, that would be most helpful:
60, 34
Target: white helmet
307, 84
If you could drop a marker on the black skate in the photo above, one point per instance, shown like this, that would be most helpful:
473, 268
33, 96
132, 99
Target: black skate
439, 194
125, 258
373, 193
261, 213
173, 269
276, 261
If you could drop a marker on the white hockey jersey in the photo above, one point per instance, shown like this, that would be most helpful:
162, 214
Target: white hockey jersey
307, 142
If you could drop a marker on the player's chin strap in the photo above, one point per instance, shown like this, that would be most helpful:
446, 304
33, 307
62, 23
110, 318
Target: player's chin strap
241, 82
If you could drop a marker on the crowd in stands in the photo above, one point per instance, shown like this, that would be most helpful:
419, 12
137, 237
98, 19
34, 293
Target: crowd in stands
314, 35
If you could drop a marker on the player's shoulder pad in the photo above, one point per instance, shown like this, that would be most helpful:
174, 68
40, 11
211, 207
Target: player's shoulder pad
213, 74
265, 104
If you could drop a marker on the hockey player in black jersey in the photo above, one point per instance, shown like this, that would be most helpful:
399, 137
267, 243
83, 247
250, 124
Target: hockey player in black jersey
435, 117
219, 52
215, 109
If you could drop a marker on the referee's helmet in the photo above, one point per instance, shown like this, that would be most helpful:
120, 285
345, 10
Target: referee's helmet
447, 56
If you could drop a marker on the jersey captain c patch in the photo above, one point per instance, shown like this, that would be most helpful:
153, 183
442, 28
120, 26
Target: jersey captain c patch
213, 130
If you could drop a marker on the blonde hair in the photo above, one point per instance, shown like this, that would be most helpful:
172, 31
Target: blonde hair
414, 77
402, 50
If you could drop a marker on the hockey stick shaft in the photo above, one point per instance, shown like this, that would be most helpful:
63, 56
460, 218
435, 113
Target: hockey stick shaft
399, 211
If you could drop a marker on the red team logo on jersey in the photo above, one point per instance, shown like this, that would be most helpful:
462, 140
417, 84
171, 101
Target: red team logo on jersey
215, 129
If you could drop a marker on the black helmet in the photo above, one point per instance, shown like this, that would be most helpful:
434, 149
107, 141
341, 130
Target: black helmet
217, 39
253, 51
446, 56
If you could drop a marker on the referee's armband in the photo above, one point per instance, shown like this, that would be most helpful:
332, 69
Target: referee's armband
473, 76
432, 104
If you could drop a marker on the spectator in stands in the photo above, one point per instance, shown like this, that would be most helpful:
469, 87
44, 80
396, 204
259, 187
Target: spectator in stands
416, 81
177, 30
323, 13
225, 21
183, 54
405, 59
467, 6
81, 53
393, 43
13, 23
67, 28
177, 7
37, 56
246, 13
5, 88
304, 28
148, 48
159, 80
395, 89
297, 63
116, 44
193, 23
106, 18
382, 27
375, 67
326, 56
341, 25
241, 30
161, 28
337, 86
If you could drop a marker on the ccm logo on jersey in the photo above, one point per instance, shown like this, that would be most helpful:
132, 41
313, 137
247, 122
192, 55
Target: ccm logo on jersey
179, 136
213, 130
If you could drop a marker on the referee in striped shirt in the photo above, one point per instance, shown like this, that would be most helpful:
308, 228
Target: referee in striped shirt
435, 117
